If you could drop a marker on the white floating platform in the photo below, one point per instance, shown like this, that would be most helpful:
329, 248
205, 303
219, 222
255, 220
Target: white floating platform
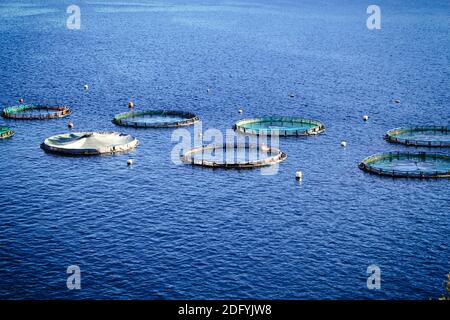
90, 143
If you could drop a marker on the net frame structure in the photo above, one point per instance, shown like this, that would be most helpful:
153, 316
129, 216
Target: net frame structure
6, 132
49, 147
278, 156
121, 119
366, 165
392, 134
319, 127
19, 112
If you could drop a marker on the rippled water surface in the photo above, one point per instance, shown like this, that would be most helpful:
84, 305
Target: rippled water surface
157, 230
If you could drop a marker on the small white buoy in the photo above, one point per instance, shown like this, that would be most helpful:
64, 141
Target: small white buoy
70, 125
397, 101
21, 100
298, 175
130, 162
86, 87
365, 117
343, 144
130, 105
241, 111
208, 90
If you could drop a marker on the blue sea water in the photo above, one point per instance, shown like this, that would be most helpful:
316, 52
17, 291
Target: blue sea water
157, 230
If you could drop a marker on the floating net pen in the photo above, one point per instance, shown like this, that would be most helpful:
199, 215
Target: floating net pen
89, 143
233, 156
408, 165
32, 112
420, 136
155, 119
6, 132
283, 126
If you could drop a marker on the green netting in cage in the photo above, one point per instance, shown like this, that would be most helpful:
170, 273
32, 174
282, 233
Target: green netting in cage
409, 165
420, 136
155, 119
283, 126
35, 112
6, 132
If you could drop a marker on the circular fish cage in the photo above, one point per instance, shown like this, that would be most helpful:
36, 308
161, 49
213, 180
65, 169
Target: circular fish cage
420, 136
233, 156
32, 112
89, 143
6, 132
283, 126
155, 119
408, 165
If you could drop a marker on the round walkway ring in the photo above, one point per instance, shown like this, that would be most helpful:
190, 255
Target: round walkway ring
89, 143
6, 132
420, 136
408, 165
273, 156
155, 119
283, 126
35, 112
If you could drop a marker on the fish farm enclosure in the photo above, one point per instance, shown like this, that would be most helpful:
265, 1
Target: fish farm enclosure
89, 143
283, 126
155, 119
32, 112
6, 132
420, 137
408, 165
243, 156
128, 179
